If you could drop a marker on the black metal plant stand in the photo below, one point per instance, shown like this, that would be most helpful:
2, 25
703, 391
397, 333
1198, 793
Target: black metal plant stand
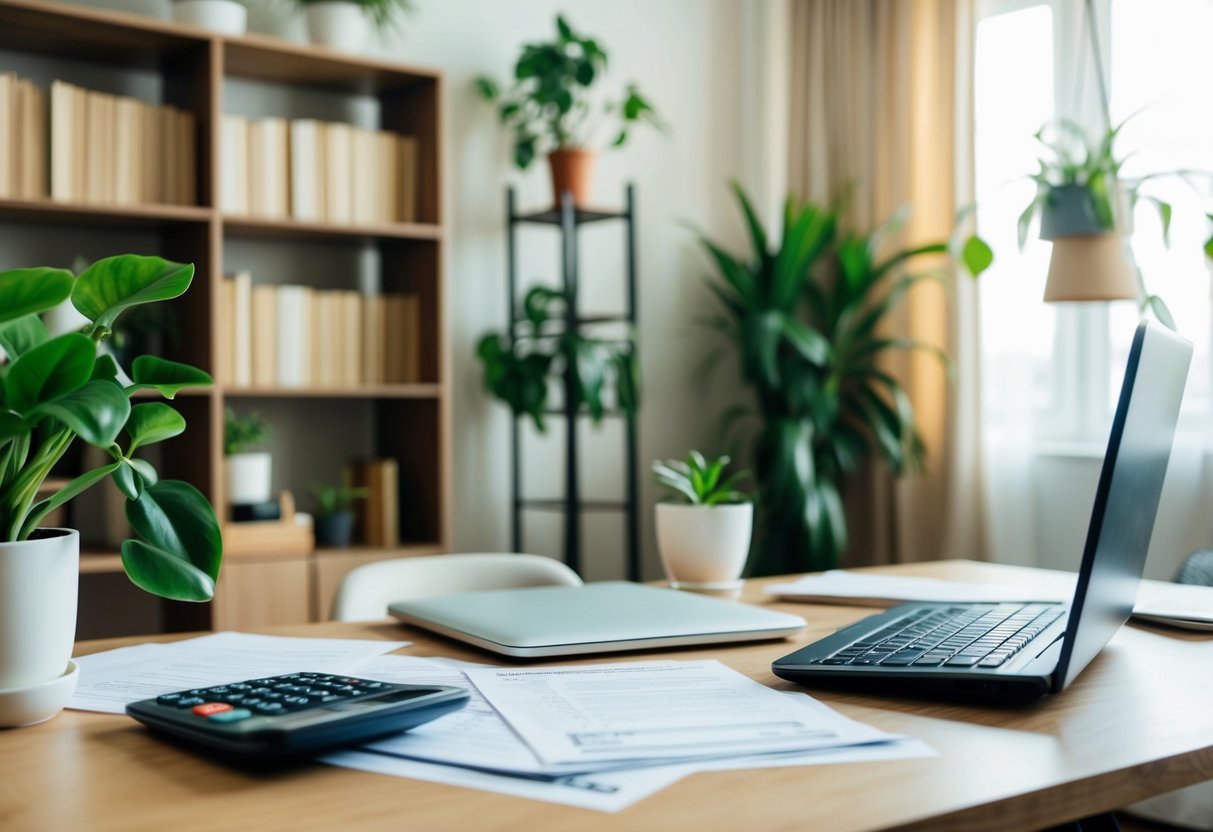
569, 219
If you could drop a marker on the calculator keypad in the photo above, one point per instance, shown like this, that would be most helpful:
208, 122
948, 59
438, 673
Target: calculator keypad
274, 695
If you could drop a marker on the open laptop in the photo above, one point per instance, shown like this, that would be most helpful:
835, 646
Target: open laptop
595, 618
1020, 651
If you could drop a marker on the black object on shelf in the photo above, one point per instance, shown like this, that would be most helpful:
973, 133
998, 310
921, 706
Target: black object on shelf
569, 219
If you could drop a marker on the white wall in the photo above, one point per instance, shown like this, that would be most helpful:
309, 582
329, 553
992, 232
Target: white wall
686, 55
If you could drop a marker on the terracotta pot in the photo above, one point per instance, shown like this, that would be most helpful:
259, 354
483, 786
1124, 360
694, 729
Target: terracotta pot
572, 171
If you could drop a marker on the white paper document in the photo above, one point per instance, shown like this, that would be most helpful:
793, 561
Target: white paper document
111, 680
663, 711
842, 587
1179, 605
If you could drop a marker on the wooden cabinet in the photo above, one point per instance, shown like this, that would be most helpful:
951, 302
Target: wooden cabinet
410, 422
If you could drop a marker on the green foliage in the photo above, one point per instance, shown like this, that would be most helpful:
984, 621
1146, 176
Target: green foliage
240, 432
518, 366
334, 499
384, 14
699, 481
548, 105
805, 318
57, 390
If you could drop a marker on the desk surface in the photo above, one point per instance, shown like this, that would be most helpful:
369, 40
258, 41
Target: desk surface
1136, 723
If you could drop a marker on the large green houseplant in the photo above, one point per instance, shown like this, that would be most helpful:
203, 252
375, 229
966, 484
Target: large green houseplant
804, 313
56, 390
550, 109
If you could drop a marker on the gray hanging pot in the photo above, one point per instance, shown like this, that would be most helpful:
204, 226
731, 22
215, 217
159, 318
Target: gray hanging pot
1069, 211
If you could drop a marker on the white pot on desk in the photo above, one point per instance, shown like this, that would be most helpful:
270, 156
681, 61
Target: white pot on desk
38, 589
704, 547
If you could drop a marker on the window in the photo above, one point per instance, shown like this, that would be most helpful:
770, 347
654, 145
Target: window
1052, 372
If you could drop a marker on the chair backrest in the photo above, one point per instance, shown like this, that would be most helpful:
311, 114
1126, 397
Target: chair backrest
366, 591
1197, 569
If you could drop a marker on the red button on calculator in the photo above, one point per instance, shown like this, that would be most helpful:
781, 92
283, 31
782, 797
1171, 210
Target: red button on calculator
209, 708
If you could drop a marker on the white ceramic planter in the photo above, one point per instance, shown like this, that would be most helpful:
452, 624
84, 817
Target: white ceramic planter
704, 547
38, 580
248, 478
227, 17
338, 25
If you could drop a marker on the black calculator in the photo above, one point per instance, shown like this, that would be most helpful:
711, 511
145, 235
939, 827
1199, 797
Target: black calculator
296, 714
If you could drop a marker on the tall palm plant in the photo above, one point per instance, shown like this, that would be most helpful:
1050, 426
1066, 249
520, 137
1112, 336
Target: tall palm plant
805, 317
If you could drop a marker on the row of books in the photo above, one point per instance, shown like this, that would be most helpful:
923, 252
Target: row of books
316, 171
377, 516
110, 149
299, 336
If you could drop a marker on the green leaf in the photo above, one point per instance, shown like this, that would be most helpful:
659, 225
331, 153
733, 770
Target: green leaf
31, 291
145, 470
812, 345
1159, 309
110, 286
50, 370
22, 335
1025, 220
128, 481
734, 273
153, 422
565, 31
758, 234
169, 377
976, 255
96, 412
524, 151
1209, 248
106, 367
1164, 215
180, 549
487, 88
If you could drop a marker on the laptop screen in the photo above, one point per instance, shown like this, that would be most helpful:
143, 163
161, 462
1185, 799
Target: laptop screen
1126, 499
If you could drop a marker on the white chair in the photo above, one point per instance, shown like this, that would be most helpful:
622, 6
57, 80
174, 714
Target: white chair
366, 591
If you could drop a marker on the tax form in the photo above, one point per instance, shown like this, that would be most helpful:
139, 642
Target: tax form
646, 711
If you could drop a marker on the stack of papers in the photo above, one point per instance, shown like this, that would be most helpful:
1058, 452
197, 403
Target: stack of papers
859, 589
605, 736
596, 736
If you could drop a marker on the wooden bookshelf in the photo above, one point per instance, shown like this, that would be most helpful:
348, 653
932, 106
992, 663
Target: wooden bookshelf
409, 422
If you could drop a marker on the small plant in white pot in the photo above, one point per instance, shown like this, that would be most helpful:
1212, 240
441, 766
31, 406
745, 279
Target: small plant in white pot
249, 473
335, 512
346, 24
703, 534
227, 17
53, 391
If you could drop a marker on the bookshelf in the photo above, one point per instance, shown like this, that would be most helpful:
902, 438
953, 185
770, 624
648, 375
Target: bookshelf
409, 422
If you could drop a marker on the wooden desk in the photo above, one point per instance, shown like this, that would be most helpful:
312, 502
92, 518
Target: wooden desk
1136, 723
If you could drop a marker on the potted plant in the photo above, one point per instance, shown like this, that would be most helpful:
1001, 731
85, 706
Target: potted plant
54, 391
804, 316
1086, 207
518, 367
703, 533
346, 24
335, 512
549, 108
248, 472
227, 17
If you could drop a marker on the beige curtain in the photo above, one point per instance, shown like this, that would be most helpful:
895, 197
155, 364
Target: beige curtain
880, 103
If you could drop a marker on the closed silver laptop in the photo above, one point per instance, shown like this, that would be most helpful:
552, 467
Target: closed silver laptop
595, 618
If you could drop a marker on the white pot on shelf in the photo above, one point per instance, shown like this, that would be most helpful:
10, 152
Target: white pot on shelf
704, 547
227, 17
38, 581
338, 25
248, 478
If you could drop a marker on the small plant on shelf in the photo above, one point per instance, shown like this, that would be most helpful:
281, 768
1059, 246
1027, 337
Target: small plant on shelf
549, 108
518, 369
344, 24
698, 480
334, 512
54, 391
243, 432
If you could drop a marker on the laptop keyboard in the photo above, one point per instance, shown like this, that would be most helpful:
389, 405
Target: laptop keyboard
968, 636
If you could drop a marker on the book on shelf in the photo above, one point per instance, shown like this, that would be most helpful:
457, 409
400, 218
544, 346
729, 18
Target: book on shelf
306, 170
297, 336
107, 149
377, 517
269, 168
234, 165
22, 138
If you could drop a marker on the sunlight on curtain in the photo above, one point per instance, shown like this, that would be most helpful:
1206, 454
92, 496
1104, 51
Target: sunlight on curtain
1017, 329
